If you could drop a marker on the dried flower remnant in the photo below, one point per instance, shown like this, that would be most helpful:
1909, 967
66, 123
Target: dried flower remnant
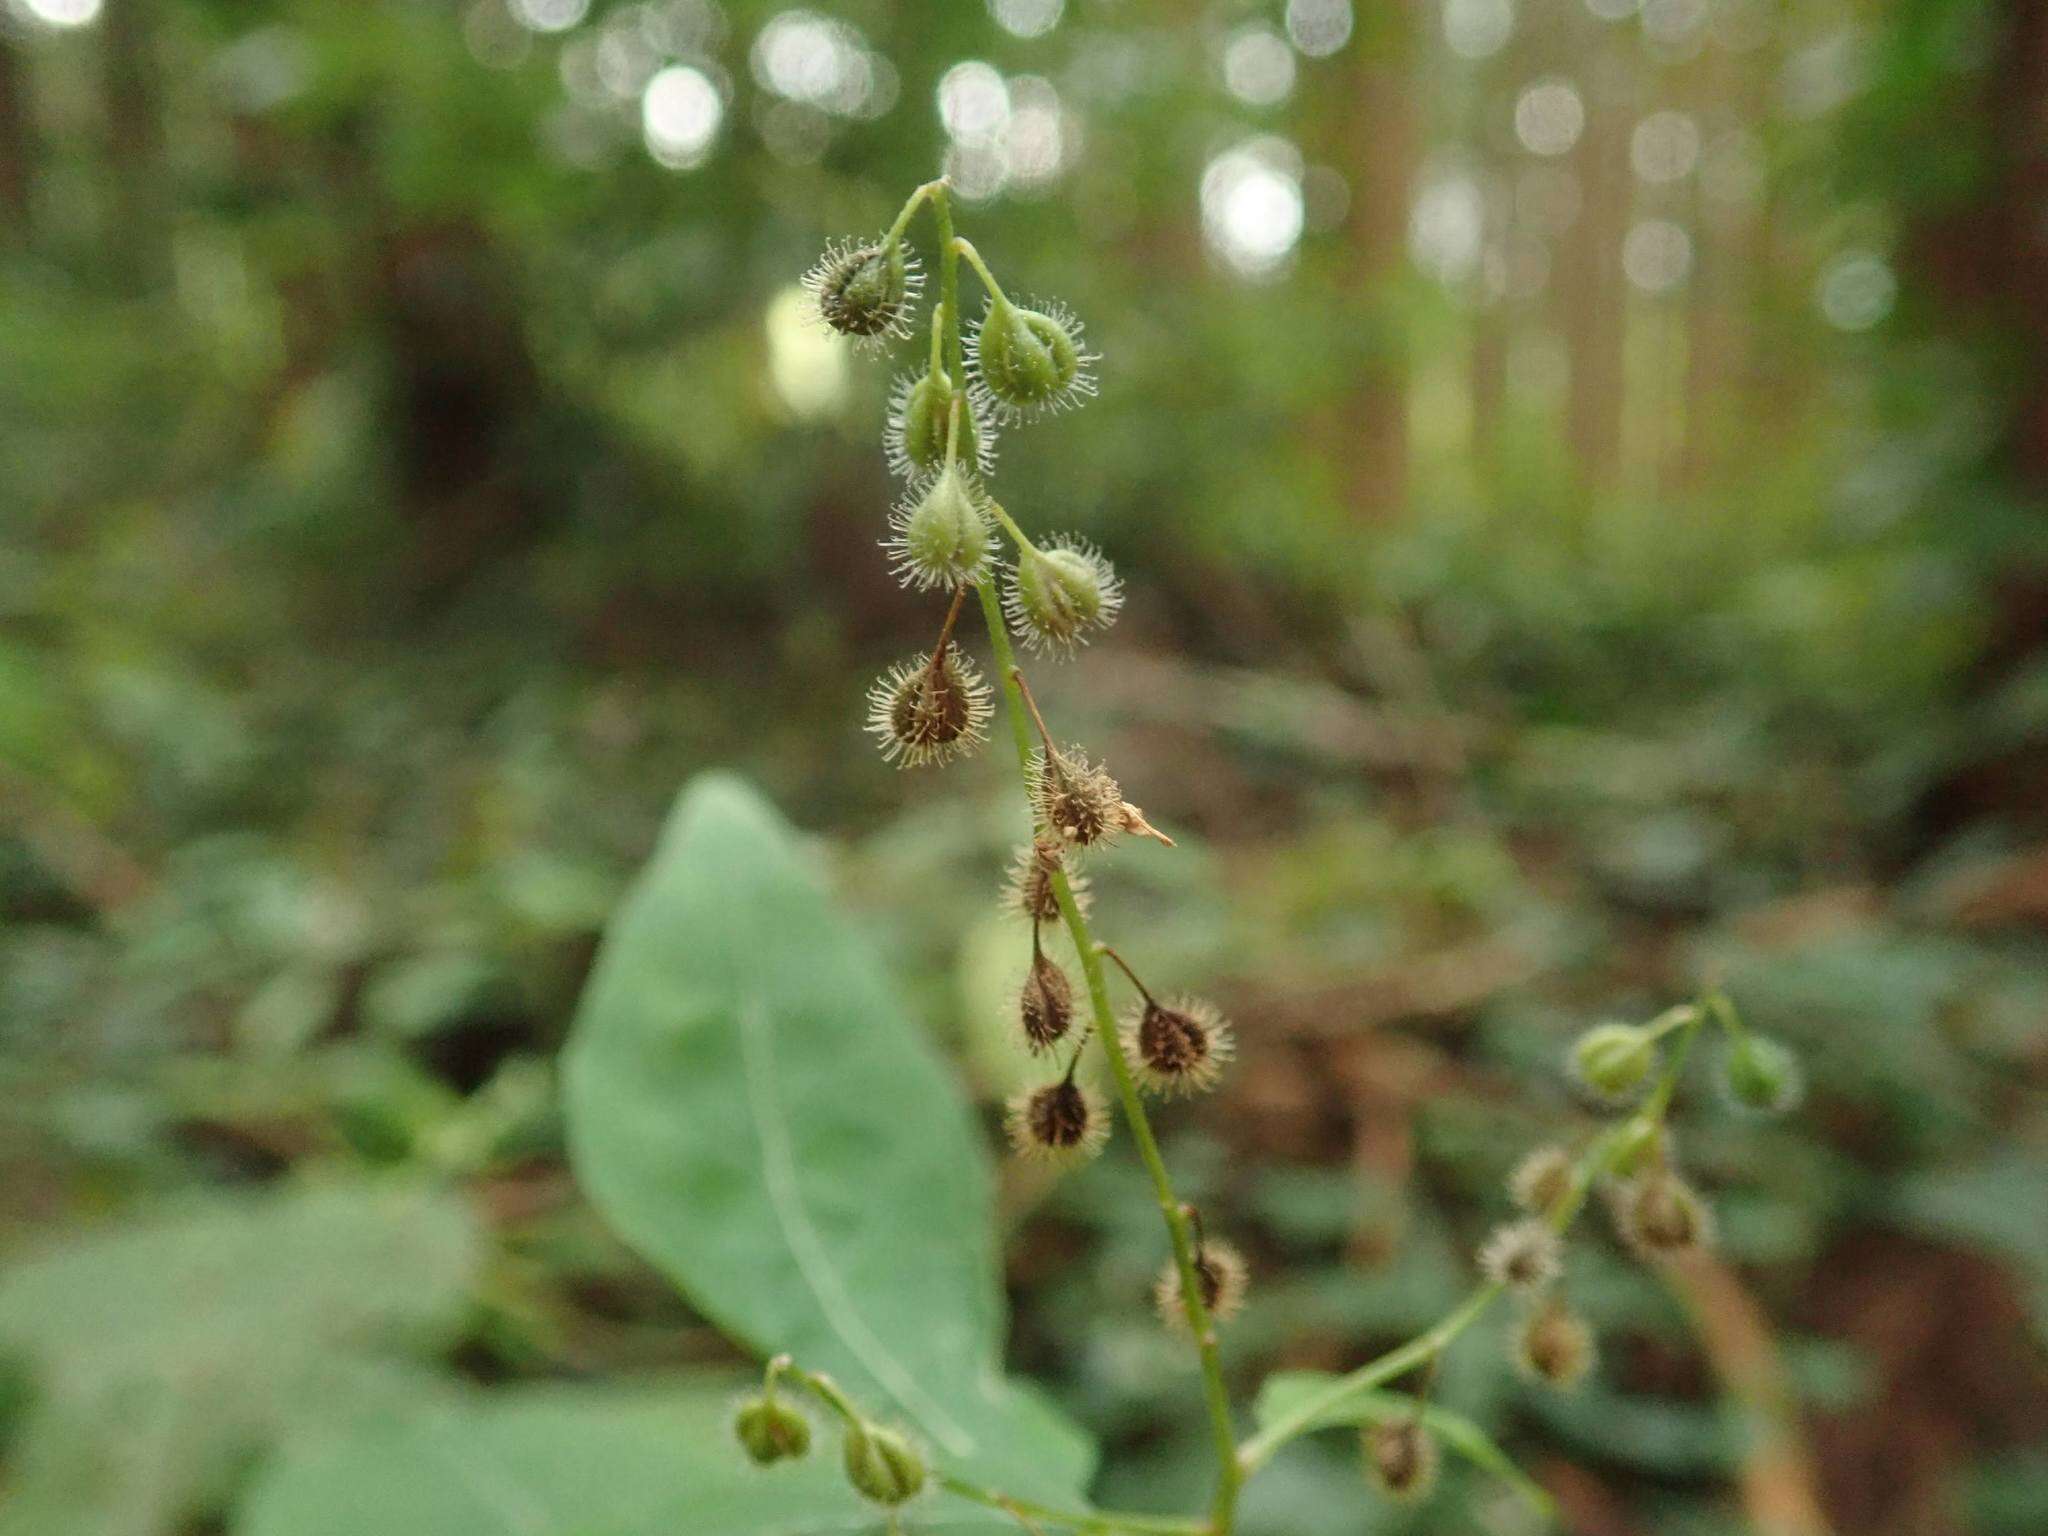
1062, 1123
1542, 1180
1401, 1458
1223, 1278
1178, 1048
1029, 889
1045, 1002
929, 710
1554, 1345
1523, 1256
1661, 1216
1075, 799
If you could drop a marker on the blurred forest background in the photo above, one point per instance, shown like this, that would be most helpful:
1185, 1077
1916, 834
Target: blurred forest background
1581, 472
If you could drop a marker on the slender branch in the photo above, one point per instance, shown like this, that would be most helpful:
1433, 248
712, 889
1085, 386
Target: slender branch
1017, 535
911, 204
949, 278
1124, 966
988, 278
1425, 1347
1229, 1476
1096, 1520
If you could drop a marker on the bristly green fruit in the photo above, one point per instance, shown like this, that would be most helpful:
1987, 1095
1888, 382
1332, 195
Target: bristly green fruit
920, 409
1029, 361
1760, 1075
883, 1466
1058, 595
1614, 1060
939, 534
771, 1431
866, 290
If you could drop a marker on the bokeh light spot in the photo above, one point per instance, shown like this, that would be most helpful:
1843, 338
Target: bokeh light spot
1665, 147
1252, 209
63, 13
1027, 18
1478, 29
1549, 116
549, 15
1319, 27
1856, 291
1657, 255
806, 362
679, 115
1258, 66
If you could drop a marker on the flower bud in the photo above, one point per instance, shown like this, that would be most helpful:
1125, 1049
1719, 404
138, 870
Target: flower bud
1045, 1003
1029, 888
1029, 361
939, 534
865, 290
1613, 1060
1760, 1075
1075, 800
919, 412
1660, 1215
1178, 1049
1523, 1255
1063, 1123
882, 1465
1401, 1458
1058, 595
927, 711
1221, 1274
771, 1430
1542, 1180
1553, 1345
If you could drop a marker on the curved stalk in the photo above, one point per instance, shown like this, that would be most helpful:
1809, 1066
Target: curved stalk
1425, 1347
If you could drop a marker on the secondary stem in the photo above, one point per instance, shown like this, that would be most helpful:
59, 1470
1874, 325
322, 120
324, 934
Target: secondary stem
1425, 1347
1098, 1520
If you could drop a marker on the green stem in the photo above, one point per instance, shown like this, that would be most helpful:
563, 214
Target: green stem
827, 1391
1229, 1475
1670, 1019
911, 204
949, 279
1259, 1449
988, 278
1717, 1003
1092, 1521
1010, 527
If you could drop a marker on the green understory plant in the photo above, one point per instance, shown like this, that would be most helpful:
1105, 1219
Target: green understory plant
1020, 362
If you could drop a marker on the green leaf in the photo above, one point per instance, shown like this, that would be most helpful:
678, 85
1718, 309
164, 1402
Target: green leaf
570, 1462
752, 1110
1286, 1391
162, 1356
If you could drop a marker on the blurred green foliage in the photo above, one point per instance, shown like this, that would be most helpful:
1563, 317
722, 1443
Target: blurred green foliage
409, 481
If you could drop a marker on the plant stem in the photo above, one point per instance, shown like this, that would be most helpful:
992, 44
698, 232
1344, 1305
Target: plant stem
1010, 527
930, 189
1229, 1476
949, 277
988, 279
1097, 1520
1425, 1347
